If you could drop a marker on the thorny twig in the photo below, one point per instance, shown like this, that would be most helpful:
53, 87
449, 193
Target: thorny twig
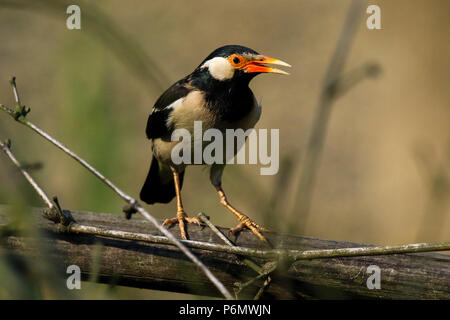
21, 118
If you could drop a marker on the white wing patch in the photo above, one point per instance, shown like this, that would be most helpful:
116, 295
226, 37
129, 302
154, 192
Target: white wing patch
175, 104
172, 106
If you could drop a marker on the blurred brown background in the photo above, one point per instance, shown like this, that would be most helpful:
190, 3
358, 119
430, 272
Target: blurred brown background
384, 176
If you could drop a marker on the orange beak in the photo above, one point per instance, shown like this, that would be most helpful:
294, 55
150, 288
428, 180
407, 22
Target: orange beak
260, 65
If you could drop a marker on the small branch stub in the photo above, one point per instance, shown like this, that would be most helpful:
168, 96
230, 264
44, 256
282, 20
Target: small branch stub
19, 109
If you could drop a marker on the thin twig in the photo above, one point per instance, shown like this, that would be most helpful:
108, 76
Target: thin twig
264, 286
206, 221
12, 81
248, 262
126, 197
6, 147
54, 210
349, 79
371, 251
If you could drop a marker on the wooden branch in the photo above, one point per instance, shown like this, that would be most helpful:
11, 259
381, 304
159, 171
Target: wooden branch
162, 266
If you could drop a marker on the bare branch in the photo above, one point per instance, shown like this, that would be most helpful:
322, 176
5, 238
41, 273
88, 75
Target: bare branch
330, 91
371, 251
6, 147
206, 221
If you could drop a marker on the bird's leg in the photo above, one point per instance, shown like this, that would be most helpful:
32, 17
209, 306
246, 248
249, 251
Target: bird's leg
244, 221
181, 217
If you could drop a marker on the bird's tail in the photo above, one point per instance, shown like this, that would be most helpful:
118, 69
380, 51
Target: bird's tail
159, 185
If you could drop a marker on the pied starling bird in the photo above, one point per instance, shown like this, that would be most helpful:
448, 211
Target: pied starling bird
217, 94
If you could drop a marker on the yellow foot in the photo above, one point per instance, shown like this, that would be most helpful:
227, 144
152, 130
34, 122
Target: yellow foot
181, 219
246, 223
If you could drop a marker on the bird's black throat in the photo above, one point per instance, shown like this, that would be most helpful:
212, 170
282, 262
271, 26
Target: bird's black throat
230, 100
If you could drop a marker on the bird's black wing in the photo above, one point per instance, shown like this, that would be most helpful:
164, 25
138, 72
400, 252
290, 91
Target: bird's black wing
157, 121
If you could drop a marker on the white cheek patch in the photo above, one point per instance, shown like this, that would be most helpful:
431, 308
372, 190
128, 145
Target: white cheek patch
219, 68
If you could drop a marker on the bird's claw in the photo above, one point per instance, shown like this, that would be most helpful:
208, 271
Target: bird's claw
181, 219
246, 223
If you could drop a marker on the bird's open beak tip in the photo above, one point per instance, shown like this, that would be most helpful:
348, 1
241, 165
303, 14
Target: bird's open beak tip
261, 65
281, 63
278, 71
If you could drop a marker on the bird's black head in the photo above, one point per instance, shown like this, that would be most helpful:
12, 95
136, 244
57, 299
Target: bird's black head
236, 64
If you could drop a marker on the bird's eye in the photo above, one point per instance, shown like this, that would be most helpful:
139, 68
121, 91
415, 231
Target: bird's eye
236, 61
